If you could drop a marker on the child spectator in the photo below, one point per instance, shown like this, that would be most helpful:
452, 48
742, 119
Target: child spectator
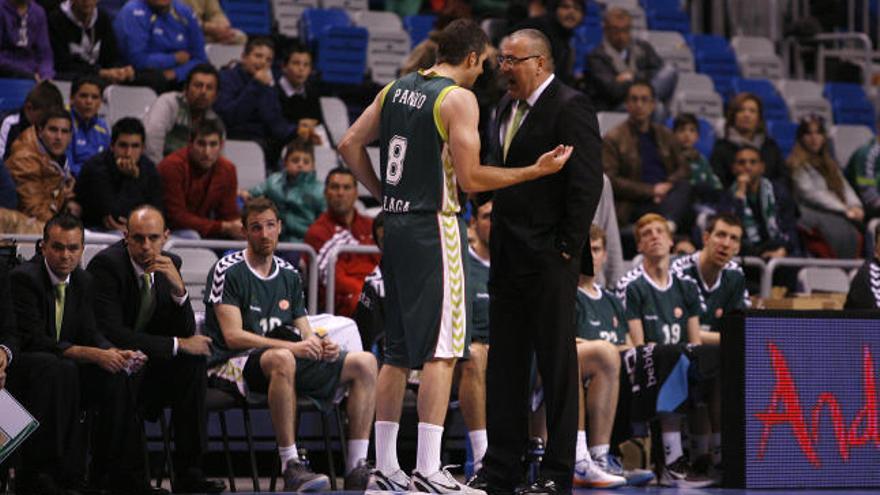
91, 134
705, 185
295, 190
300, 103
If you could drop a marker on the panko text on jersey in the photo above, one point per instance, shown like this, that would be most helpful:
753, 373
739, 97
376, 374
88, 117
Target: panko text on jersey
408, 97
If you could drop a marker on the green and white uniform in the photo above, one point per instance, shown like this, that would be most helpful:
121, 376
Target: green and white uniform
601, 317
663, 311
424, 260
727, 294
478, 294
265, 303
863, 172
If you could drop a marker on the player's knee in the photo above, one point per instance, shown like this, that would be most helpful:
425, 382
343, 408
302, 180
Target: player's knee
609, 357
479, 357
279, 363
363, 366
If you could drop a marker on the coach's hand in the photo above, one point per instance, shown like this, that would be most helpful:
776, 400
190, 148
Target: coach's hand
197, 345
553, 161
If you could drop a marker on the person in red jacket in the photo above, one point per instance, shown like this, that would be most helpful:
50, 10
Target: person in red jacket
201, 186
342, 225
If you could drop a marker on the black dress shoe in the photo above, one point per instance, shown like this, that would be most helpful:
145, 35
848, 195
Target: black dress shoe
202, 485
542, 486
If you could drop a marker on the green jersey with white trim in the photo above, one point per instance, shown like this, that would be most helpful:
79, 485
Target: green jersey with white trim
729, 292
663, 311
415, 166
265, 302
600, 318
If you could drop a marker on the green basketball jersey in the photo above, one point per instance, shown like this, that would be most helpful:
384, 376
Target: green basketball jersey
415, 167
477, 283
265, 303
728, 293
664, 311
600, 318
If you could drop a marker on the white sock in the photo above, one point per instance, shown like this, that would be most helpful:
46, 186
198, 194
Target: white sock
581, 452
672, 446
598, 451
428, 449
357, 450
386, 447
700, 445
479, 443
716, 448
286, 454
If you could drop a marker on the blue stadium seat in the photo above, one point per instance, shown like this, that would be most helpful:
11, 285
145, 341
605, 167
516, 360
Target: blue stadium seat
585, 39
13, 92
773, 104
342, 54
314, 22
418, 27
715, 58
666, 15
251, 16
849, 104
784, 132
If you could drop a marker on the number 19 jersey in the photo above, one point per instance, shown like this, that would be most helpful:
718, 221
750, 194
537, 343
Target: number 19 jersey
415, 167
664, 311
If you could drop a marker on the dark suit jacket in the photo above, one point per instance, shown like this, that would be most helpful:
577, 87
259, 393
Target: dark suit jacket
117, 300
8, 331
552, 214
34, 299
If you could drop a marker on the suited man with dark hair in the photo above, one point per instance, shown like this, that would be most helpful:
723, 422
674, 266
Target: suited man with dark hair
8, 342
60, 362
538, 231
141, 304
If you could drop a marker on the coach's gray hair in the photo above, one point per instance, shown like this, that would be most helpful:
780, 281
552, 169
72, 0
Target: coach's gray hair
539, 42
615, 13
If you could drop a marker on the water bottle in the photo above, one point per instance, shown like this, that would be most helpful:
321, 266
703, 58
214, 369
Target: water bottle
534, 457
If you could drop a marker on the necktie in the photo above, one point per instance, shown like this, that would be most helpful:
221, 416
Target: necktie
60, 295
145, 309
521, 107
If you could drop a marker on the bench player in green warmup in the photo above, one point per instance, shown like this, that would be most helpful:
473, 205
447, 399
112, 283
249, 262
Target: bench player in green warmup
662, 308
426, 124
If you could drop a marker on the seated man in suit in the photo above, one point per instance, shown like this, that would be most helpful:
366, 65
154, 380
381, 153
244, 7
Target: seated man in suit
60, 358
142, 305
263, 343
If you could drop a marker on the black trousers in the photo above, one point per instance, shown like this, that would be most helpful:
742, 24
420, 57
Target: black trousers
532, 314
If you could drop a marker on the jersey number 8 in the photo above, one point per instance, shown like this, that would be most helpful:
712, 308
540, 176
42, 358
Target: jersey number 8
396, 154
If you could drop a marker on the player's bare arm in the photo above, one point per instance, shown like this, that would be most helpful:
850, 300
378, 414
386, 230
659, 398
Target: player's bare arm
353, 147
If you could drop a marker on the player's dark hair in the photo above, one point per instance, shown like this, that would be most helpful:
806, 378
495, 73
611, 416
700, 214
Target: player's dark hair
458, 40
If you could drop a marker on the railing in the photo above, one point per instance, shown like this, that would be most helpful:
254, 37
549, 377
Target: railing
330, 301
767, 274
865, 52
311, 291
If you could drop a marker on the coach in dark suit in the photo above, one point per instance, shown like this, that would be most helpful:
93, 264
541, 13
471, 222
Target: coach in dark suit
142, 305
60, 361
538, 230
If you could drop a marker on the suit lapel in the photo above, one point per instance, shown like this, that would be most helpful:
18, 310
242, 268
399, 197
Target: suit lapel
536, 115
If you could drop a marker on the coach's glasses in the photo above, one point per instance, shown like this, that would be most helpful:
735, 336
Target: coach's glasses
511, 60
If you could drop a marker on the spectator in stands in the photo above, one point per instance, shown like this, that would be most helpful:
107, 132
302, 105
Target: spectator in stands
91, 134
161, 39
44, 96
745, 126
172, 116
112, 183
601, 331
620, 60
663, 308
83, 43
645, 164
864, 291
827, 203
862, 173
558, 24
342, 225
263, 343
201, 186
247, 102
295, 191
766, 230
214, 22
38, 165
63, 365
25, 51
300, 102
705, 185
142, 305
